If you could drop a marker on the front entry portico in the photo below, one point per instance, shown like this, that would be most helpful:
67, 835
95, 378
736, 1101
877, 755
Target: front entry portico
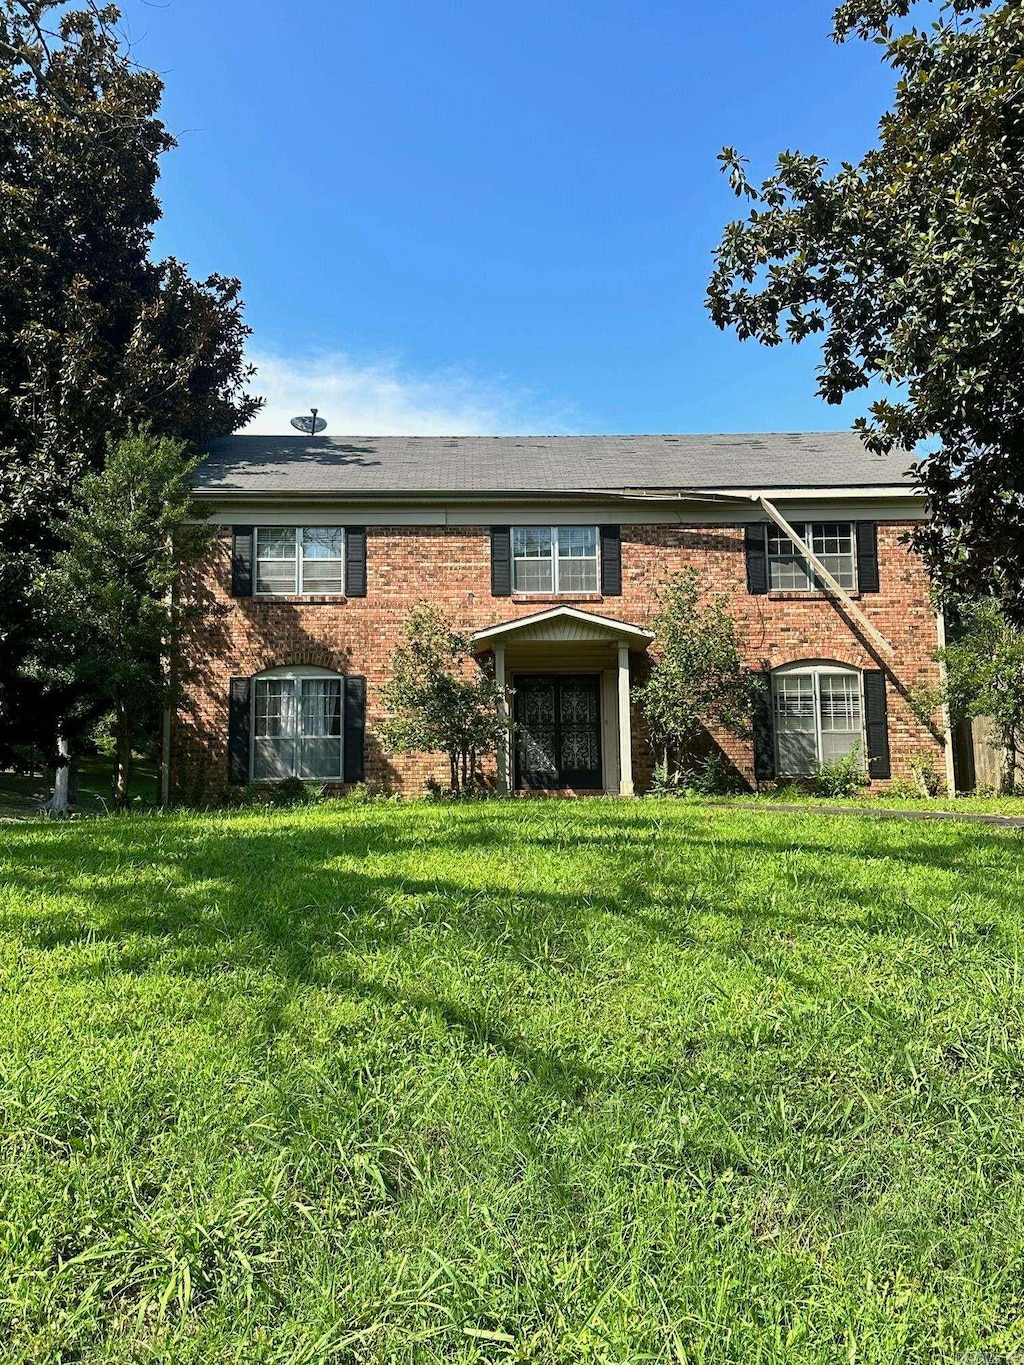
569, 673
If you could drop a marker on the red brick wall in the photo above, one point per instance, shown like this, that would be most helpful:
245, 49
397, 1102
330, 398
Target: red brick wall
451, 567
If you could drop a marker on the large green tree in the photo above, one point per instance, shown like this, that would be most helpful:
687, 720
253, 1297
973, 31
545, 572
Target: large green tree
95, 336
107, 600
910, 266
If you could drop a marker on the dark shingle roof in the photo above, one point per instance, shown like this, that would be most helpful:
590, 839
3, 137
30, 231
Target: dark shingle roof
367, 465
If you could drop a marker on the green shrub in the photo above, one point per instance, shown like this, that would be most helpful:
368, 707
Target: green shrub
665, 781
905, 788
843, 776
926, 777
714, 777
291, 791
475, 791
711, 777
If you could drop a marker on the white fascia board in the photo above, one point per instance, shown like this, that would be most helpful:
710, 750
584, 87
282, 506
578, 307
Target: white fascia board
838, 491
266, 511
537, 618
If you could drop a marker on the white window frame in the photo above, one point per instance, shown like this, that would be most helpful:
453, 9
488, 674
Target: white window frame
299, 589
296, 676
816, 671
805, 529
556, 590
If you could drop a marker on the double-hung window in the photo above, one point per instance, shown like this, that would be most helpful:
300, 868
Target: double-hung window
831, 541
297, 726
555, 559
300, 560
818, 717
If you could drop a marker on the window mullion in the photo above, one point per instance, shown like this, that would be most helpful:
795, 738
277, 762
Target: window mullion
298, 561
819, 747
556, 587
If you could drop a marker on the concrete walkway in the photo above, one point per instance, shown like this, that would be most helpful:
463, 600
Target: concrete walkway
875, 813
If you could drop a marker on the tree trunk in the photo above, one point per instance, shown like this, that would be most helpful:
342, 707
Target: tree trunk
122, 765
59, 805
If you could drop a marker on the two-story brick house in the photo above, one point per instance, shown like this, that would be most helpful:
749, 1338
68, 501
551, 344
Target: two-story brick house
550, 550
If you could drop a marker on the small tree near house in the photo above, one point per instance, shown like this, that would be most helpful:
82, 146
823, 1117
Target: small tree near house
439, 699
983, 676
698, 680
107, 597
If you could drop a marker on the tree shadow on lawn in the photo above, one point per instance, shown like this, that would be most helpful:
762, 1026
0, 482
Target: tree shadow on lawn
985, 854
294, 896
348, 904
318, 907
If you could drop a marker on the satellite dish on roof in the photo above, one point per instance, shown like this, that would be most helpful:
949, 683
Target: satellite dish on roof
312, 426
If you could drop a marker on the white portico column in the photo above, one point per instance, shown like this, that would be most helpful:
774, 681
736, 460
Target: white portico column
625, 728
499, 678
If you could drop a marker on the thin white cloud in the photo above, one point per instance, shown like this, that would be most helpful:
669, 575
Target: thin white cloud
382, 398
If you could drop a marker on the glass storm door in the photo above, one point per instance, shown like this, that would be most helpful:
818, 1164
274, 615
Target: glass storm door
558, 732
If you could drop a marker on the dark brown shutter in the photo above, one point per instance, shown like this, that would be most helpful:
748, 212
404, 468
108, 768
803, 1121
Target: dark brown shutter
355, 561
355, 728
876, 724
763, 725
867, 556
241, 561
501, 561
756, 551
238, 731
611, 561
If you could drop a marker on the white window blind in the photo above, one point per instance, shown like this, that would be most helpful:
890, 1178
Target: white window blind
555, 559
300, 560
818, 718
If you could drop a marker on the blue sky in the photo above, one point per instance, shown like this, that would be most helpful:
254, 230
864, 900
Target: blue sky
495, 217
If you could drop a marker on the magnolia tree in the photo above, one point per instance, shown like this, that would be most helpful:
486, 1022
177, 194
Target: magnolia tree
907, 266
698, 680
439, 699
96, 336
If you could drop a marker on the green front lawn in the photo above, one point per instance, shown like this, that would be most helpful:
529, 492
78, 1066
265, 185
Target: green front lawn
551, 1082
869, 800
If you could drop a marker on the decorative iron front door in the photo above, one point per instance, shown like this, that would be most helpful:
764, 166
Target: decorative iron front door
558, 732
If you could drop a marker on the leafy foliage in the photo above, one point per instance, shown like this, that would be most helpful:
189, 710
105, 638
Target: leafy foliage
107, 599
841, 776
910, 266
711, 776
95, 337
698, 679
984, 667
440, 700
